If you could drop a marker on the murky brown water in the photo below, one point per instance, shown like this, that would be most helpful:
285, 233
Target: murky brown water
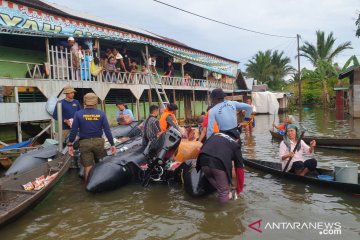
166, 212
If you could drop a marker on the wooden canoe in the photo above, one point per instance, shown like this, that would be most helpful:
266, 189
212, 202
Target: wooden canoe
15, 201
274, 168
327, 142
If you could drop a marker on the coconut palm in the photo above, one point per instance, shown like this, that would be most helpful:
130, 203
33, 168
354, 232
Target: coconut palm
324, 49
322, 55
280, 65
269, 67
259, 67
351, 62
322, 73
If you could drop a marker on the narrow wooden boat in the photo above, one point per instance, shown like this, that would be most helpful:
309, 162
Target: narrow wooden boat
15, 201
327, 142
274, 168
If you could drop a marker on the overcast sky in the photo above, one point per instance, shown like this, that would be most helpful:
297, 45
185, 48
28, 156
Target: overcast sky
282, 17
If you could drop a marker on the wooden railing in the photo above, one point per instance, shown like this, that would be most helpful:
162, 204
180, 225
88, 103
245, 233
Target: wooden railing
61, 66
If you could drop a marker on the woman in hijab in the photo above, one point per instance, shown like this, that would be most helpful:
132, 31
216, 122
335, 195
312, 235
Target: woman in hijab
298, 165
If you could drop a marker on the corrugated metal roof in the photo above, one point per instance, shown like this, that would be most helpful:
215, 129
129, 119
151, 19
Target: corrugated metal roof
68, 22
100, 20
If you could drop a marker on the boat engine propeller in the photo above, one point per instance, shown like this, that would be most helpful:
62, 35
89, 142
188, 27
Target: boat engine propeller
158, 156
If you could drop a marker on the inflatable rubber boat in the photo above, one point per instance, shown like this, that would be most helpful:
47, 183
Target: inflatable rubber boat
136, 163
131, 130
31, 159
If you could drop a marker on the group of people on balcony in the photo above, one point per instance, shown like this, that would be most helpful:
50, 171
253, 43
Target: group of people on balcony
84, 62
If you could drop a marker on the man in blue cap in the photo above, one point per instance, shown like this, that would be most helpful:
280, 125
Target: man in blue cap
224, 113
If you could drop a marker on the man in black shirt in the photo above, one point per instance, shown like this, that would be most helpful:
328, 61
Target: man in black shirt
215, 160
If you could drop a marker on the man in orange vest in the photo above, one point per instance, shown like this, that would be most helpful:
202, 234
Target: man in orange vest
168, 118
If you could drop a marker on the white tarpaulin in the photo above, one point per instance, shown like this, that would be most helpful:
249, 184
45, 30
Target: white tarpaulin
265, 102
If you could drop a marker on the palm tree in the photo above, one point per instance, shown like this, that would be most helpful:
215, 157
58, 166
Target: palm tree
324, 48
280, 66
269, 67
259, 67
323, 53
351, 62
322, 73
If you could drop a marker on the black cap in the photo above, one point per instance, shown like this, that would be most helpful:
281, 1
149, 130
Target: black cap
172, 107
217, 93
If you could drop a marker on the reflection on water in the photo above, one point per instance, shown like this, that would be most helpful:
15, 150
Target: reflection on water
166, 212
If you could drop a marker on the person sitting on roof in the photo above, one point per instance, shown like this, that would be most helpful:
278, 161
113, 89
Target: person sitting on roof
298, 165
124, 116
168, 118
282, 126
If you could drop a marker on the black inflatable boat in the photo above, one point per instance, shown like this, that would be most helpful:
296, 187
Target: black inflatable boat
138, 163
32, 159
38, 156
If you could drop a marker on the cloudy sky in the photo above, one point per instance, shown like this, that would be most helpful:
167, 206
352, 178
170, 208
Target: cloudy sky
282, 17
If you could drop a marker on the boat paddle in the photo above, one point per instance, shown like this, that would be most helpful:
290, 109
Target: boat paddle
296, 146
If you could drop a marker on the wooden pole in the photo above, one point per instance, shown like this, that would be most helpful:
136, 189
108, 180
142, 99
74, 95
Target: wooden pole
47, 50
150, 97
147, 54
194, 103
19, 131
299, 71
138, 109
103, 105
182, 70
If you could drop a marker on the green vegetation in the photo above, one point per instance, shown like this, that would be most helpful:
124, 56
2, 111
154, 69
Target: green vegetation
269, 67
321, 56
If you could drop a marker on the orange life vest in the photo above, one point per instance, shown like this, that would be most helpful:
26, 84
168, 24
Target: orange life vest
163, 123
216, 127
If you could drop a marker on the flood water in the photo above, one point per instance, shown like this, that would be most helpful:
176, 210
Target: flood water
166, 212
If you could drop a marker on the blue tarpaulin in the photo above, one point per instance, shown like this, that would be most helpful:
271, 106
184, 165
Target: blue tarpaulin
17, 145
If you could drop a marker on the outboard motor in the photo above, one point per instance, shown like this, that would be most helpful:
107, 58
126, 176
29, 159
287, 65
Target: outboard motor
165, 147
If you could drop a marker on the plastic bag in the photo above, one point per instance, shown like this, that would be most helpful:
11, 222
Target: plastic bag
51, 104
